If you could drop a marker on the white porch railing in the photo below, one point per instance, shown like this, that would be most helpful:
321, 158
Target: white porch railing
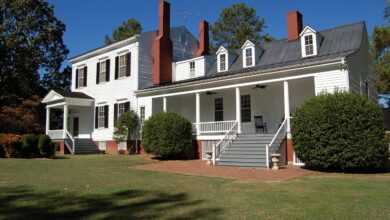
221, 145
274, 145
56, 134
69, 142
214, 126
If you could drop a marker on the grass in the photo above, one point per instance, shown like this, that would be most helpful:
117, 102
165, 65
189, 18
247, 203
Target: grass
107, 187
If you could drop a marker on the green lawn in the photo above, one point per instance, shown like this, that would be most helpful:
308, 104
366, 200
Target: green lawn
107, 187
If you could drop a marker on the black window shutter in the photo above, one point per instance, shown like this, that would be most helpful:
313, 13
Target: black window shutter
115, 113
128, 64
96, 117
85, 76
106, 116
108, 70
97, 72
77, 78
116, 67
127, 106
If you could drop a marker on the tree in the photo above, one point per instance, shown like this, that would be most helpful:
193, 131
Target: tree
58, 80
380, 51
127, 29
237, 24
30, 44
126, 128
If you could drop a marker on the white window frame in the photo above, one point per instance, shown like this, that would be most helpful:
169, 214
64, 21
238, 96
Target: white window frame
101, 117
248, 46
222, 51
121, 108
307, 32
80, 77
102, 71
192, 68
122, 65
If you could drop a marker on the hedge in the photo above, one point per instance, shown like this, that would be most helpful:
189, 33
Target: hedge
340, 131
28, 146
168, 135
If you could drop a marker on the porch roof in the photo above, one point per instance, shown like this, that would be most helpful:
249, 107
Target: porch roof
73, 98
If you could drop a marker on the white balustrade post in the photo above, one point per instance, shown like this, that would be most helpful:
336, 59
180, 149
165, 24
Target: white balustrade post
65, 120
238, 110
287, 108
197, 120
47, 120
213, 156
165, 104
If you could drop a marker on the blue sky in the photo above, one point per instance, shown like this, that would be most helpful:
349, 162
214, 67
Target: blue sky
88, 21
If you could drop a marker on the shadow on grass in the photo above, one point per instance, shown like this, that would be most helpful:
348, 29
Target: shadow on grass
25, 203
382, 170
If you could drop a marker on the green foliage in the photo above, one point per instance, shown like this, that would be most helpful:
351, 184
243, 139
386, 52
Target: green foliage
46, 146
30, 146
380, 51
237, 24
340, 131
30, 44
126, 30
58, 80
168, 135
126, 127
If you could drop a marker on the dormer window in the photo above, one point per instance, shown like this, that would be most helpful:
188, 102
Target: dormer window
248, 54
309, 42
222, 62
309, 47
222, 59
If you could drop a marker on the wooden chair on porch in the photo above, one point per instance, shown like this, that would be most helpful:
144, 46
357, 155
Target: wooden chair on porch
260, 124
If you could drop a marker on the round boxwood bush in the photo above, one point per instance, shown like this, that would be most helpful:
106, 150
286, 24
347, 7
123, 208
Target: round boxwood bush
168, 135
29, 146
340, 131
46, 146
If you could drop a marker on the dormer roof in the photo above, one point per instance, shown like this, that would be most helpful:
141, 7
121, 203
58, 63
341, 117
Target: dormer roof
306, 30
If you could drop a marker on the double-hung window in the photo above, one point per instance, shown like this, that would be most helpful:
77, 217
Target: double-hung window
309, 46
248, 57
222, 62
121, 109
101, 117
102, 71
122, 65
142, 114
218, 113
80, 77
246, 108
192, 69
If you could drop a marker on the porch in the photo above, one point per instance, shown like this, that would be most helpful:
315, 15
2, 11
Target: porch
69, 119
242, 125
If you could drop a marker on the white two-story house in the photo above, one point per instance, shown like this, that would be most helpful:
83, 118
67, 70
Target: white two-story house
239, 101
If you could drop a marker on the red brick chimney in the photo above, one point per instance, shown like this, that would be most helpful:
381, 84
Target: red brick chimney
162, 53
203, 48
294, 25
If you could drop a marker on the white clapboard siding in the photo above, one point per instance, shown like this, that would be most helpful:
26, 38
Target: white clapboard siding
331, 81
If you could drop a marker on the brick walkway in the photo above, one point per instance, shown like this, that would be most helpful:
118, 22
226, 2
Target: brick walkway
200, 168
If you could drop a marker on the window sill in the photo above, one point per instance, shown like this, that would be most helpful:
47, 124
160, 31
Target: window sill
122, 77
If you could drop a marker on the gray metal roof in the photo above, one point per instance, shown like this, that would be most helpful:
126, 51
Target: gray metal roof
78, 95
335, 43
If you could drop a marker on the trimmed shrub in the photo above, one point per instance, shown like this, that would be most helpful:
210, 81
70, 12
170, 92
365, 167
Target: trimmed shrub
9, 145
168, 135
340, 131
46, 146
30, 146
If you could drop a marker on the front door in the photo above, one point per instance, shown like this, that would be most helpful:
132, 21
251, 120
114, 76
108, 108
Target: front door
76, 127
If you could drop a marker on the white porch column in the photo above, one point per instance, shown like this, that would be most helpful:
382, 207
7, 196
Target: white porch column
165, 104
287, 108
65, 120
238, 109
197, 119
47, 120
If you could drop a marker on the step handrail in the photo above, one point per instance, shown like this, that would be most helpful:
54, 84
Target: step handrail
267, 146
225, 141
70, 137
